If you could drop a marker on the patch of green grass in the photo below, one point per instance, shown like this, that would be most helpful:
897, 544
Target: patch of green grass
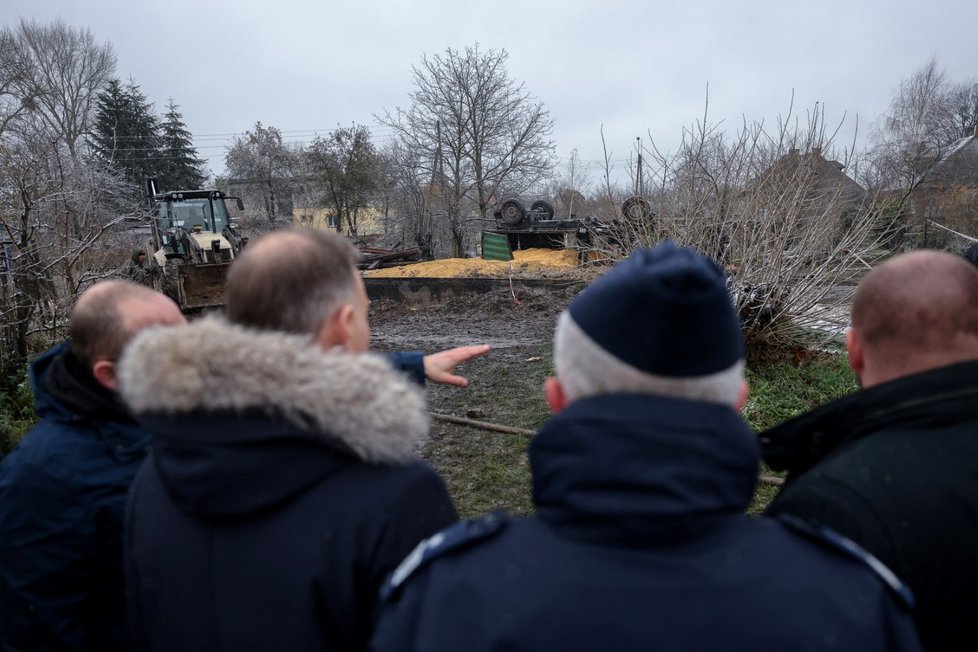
487, 470
782, 389
763, 495
484, 471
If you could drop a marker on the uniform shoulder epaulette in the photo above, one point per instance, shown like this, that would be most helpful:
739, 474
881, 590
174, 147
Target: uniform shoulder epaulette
455, 537
832, 539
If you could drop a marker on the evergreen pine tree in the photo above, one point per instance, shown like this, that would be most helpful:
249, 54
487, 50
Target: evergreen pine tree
180, 167
144, 138
111, 121
126, 133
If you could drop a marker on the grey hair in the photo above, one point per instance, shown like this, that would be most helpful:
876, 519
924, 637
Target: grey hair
291, 281
585, 369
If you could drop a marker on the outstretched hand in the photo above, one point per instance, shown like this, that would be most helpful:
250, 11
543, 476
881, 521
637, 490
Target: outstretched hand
438, 367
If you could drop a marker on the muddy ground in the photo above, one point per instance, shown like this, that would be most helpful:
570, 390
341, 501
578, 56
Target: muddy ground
488, 470
484, 470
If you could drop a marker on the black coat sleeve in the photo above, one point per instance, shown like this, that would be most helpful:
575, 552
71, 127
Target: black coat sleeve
419, 506
422, 509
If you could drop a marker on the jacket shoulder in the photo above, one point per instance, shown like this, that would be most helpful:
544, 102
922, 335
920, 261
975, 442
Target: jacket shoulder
79, 454
831, 540
463, 534
51, 444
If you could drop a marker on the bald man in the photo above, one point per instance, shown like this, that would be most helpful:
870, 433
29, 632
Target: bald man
63, 490
895, 466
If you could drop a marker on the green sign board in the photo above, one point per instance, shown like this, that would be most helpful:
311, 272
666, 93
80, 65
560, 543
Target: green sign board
495, 246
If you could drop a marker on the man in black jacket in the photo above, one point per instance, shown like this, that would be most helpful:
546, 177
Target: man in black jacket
282, 484
895, 466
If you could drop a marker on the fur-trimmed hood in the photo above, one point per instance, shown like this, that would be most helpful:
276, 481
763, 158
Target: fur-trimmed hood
211, 367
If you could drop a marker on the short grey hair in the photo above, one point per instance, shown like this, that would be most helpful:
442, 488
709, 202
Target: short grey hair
291, 281
585, 369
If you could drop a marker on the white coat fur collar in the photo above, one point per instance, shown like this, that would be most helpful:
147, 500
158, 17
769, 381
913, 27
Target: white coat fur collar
212, 365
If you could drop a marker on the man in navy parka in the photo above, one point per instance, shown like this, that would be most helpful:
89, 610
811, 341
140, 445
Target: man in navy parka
641, 479
282, 485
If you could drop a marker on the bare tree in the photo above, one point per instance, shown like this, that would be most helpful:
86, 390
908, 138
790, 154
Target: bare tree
411, 190
266, 168
56, 202
917, 129
348, 165
964, 107
479, 131
62, 68
13, 99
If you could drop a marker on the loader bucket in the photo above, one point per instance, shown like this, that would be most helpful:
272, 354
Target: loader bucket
203, 286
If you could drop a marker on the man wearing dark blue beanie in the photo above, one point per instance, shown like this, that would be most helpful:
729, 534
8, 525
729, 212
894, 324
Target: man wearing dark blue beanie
641, 479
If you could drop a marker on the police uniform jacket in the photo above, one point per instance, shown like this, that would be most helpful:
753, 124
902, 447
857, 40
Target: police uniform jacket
640, 542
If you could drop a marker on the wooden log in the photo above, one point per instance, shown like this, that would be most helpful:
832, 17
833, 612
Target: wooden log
495, 427
483, 425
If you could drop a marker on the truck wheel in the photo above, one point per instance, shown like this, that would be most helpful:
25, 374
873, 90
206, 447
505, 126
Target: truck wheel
512, 212
543, 210
637, 209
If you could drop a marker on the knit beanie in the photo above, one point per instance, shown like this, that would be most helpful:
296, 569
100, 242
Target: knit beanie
664, 311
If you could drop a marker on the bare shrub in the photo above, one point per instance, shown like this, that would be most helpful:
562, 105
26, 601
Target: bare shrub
794, 232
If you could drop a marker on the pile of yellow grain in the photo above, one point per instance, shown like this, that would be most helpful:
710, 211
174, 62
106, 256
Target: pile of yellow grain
527, 262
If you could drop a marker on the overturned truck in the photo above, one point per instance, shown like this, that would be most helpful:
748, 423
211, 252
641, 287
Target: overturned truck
194, 242
536, 227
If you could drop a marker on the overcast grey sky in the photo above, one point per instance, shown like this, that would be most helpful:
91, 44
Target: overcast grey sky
637, 67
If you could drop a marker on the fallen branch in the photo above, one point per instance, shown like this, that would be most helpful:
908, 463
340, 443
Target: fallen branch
482, 424
495, 427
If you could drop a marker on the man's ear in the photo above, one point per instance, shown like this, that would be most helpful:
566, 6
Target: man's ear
854, 349
337, 328
742, 396
104, 372
553, 391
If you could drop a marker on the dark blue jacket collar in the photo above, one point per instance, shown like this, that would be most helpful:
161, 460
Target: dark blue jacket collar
65, 389
45, 404
637, 468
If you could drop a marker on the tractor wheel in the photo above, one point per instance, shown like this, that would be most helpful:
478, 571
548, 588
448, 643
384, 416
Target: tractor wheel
513, 212
543, 210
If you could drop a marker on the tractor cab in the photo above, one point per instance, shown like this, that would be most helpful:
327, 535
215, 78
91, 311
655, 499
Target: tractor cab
194, 225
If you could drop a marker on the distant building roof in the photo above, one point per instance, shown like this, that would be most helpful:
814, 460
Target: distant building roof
829, 175
959, 166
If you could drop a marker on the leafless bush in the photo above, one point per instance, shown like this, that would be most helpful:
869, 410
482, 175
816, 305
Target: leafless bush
793, 231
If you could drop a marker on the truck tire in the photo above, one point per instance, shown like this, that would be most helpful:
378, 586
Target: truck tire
512, 212
543, 210
637, 210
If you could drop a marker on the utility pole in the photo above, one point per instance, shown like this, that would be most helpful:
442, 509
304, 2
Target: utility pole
437, 168
639, 184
